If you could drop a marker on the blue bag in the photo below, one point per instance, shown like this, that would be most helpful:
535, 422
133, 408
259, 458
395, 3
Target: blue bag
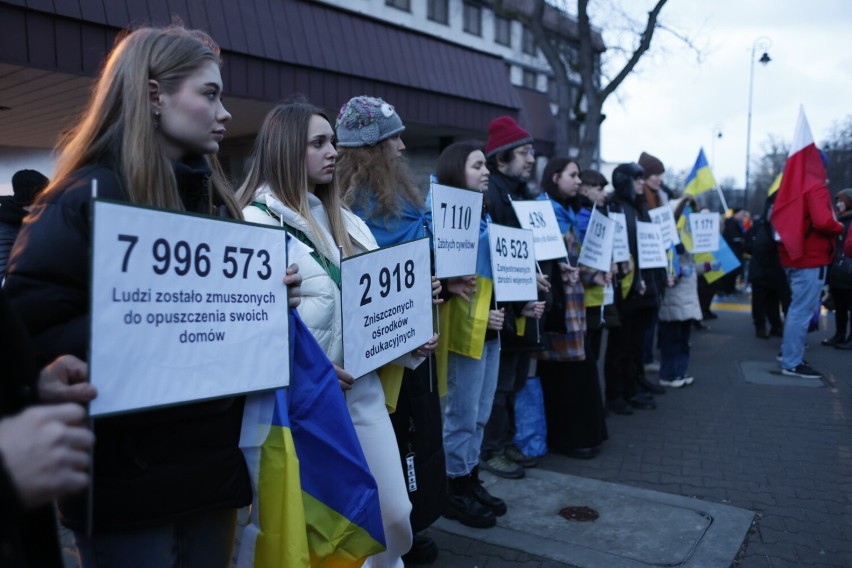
530, 423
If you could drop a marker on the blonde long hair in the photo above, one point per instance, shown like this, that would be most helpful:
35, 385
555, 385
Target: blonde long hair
118, 126
370, 171
278, 161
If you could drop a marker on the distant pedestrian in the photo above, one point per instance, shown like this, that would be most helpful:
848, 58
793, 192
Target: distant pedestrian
840, 277
26, 185
770, 291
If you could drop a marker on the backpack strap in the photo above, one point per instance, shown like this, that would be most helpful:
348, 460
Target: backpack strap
330, 268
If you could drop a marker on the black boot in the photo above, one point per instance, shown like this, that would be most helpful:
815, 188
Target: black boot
494, 504
463, 507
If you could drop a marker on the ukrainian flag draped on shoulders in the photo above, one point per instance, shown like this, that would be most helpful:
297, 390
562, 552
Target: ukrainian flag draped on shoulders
315, 501
409, 224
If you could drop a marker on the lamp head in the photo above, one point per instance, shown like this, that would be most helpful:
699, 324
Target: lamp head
765, 58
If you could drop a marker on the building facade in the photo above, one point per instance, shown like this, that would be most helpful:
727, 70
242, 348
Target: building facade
448, 66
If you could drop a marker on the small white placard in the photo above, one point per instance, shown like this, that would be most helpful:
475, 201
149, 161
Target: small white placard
664, 216
597, 244
649, 241
455, 226
620, 242
387, 305
705, 232
538, 217
512, 263
608, 295
184, 308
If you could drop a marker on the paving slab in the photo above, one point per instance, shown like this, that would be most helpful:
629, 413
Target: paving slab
766, 373
635, 527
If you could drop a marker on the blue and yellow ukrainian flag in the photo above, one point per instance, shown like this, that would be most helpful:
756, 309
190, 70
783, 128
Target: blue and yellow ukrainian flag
700, 179
726, 258
315, 502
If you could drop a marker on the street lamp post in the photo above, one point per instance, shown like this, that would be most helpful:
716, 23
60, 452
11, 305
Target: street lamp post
760, 44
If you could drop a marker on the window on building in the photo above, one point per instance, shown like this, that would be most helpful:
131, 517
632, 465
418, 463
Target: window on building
530, 79
472, 19
503, 30
439, 11
528, 42
401, 4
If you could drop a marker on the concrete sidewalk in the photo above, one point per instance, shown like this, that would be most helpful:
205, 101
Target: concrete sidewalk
745, 468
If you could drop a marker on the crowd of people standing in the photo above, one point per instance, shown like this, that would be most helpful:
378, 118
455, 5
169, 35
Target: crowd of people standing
169, 482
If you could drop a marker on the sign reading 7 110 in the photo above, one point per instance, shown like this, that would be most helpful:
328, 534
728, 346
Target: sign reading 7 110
180, 305
455, 225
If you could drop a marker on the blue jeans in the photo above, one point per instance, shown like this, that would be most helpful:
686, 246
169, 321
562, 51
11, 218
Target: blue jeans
805, 288
194, 541
674, 348
470, 394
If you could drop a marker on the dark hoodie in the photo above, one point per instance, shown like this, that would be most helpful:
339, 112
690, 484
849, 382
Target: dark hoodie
11, 217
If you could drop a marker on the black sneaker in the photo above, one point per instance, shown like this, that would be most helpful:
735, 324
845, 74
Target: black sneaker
423, 551
619, 406
802, 370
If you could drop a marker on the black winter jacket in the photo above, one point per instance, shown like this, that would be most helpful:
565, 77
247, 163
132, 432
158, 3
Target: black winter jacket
635, 209
151, 466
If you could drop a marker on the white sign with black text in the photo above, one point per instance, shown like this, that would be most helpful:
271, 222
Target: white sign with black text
649, 241
664, 216
387, 305
455, 226
512, 263
596, 251
184, 308
705, 232
538, 217
620, 242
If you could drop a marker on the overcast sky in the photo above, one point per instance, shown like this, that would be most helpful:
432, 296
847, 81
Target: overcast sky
672, 105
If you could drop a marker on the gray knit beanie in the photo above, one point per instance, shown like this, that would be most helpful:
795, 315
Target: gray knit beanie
366, 121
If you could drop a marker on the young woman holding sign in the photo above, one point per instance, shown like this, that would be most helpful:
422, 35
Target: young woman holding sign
473, 357
291, 179
576, 425
168, 482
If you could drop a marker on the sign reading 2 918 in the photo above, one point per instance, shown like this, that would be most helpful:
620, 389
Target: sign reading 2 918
184, 308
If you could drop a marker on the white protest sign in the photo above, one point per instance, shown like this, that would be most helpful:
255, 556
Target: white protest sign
664, 216
184, 308
649, 242
455, 226
608, 295
538, 216
596, 251
512, 263
705, 232
387, 305
620, 242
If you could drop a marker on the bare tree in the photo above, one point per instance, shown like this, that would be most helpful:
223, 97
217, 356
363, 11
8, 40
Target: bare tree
546, 21
838, 149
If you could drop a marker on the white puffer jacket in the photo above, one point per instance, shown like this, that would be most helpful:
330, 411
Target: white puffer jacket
320, 305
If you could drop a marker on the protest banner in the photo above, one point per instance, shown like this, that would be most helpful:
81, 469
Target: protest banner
512, 263
620, 242
386, 304
455, 228
705, 232
184, 308
664, 216
649, 242
596, 251
538, 217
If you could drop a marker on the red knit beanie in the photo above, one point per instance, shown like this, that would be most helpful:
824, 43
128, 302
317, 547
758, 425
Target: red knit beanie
504, 134
651, 164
